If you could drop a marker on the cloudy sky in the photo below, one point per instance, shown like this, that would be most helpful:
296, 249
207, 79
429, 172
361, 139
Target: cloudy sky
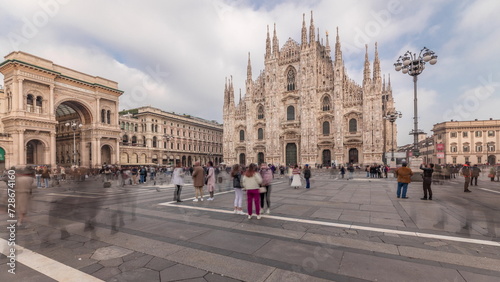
175, 54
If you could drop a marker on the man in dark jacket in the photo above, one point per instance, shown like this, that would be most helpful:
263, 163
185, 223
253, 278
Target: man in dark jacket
465, 171
307, 175
428, 170
475, 170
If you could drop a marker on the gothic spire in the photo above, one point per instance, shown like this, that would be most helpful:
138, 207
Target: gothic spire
304, 31
226, 94
312, 36
376, 64
249, 69
389, 83
268, 44
366, 71
383, 84
338, 52
275, 42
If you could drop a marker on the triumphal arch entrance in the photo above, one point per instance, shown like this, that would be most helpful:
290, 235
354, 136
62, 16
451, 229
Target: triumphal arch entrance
53, 115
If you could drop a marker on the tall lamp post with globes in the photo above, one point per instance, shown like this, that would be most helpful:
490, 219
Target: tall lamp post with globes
413, 65
392, 117
74, 126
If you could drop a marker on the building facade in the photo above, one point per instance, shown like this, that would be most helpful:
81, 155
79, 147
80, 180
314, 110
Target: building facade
152, 136
304, 108
457, 142
50, 114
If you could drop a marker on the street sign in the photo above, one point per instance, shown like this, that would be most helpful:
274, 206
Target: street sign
440, 155
440, 146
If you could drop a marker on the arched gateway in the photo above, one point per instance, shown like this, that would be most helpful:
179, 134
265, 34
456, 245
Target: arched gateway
53, 115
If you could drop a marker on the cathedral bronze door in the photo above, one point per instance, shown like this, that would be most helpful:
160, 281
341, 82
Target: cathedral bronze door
242, 159
327, 158
291, 154
260, 158
353, 156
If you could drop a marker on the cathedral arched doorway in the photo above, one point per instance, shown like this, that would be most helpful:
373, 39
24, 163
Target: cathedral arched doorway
183, 161
353, 156
291, 154
260, 158
327, 158
190, 161
492, 160
106, 154
72, 118
35, 152
243, 160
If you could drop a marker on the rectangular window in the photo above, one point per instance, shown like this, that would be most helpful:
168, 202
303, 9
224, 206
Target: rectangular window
454, 160
466, 149
466, 159
465, 134
479, 160
479, 133
491, 133
453, 134
479, 148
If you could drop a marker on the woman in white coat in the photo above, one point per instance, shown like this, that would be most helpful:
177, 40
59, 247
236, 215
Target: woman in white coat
178, 181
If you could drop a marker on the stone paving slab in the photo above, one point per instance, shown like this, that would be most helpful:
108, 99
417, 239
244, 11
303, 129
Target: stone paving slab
227, 266
384, 269
237, 242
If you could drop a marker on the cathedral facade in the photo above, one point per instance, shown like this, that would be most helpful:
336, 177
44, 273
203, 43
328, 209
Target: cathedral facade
304, 109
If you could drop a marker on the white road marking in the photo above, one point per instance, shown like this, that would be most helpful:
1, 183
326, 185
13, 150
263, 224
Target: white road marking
47, 266
349, 226
490, 190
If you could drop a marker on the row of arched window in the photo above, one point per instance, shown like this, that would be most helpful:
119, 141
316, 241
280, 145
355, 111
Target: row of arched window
34, 104
353, 127
106, 116
325, 106
158, 143
466, 147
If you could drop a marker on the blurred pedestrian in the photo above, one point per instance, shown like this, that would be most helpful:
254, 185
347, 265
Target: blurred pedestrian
466, 172
307, 176
178, 181
45, 176
210, 180
251, 182
267, 176
296, 182
238, 191
475, 170
198, 181
24, 183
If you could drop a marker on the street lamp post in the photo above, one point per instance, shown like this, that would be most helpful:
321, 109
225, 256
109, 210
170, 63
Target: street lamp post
413, 65
74, 126
392, 117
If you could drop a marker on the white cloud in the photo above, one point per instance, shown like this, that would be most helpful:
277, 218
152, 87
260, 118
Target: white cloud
196, 44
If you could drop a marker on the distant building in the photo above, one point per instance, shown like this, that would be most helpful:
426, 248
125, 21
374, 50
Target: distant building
303, 108
457, 142
152, 136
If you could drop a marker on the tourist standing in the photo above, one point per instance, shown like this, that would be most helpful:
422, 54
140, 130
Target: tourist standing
238, 191
404, 175
475, 170
24, 182
307, 176
296, 182
492, 174
38, 176
178, 181
342, 171
198, 176
251, 182
350, 168
134, 173
267, 176
428, 170
465, 171
46, 176
210, 180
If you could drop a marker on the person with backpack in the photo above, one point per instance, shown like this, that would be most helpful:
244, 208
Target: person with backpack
210, 180
465, 171
267, 176
238, 191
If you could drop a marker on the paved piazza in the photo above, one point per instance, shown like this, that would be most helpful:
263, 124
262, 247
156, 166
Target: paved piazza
339, 230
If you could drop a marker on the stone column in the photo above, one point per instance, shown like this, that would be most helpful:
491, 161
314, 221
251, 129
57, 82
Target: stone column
51, 102
116, 157
20, 102
53, 150
21, 148
98, 161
